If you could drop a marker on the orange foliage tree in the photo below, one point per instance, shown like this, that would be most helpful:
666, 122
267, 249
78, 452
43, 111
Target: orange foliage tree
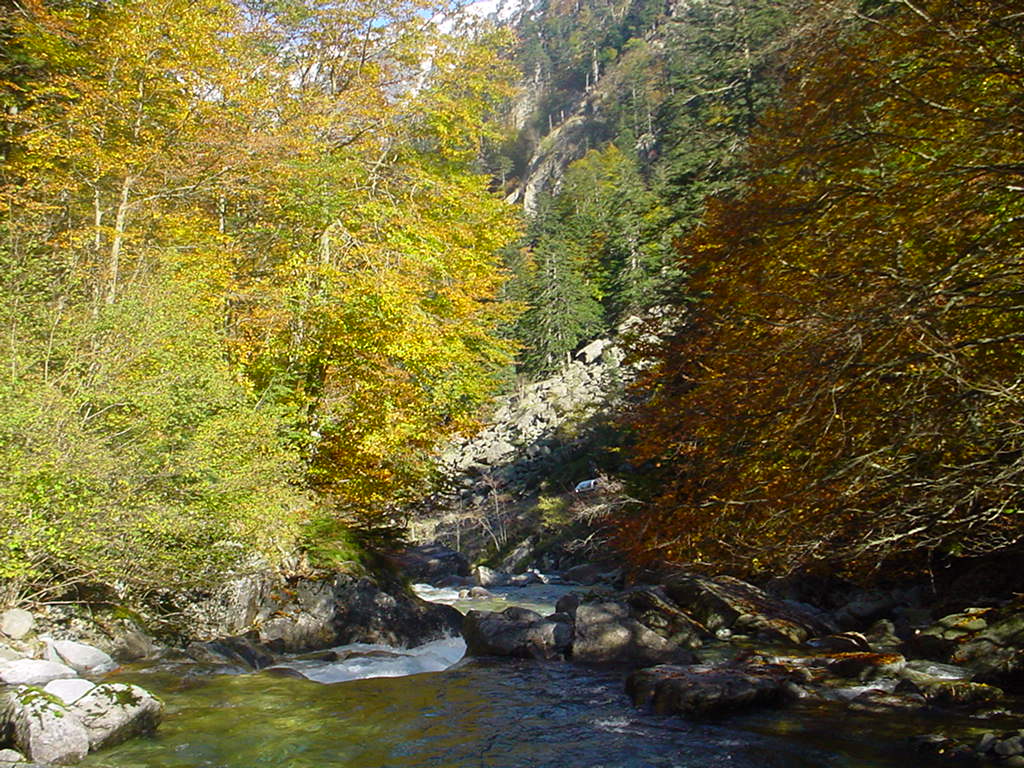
846, 388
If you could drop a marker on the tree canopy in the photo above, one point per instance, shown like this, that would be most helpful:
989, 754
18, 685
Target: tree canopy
249, 276
845, 391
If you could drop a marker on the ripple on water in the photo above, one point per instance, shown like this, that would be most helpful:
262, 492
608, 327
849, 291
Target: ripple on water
495, 714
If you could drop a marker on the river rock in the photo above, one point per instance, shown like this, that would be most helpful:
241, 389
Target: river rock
606, 633
881, 702
949, 693
988, 641
486, 577
568, 603
69, 691
115, 712
43, 728
585, 574
311, 615
941, 639
33, 672
652, 608
865, 666
16, 623
240, 651
724, 602
11, 756
516, 632
432, 563
708, 690
80, 657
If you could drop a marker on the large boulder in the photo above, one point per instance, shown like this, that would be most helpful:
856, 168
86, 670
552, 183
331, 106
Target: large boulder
606, 633
516, 632
33, 672
115, 712
723, 602
43, 728
707, 690
432, 563
314, 614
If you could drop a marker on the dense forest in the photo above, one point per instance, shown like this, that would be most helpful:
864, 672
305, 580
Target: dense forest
249, 279
257, 266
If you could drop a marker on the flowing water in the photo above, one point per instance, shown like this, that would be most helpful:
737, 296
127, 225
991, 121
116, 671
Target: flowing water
373, 707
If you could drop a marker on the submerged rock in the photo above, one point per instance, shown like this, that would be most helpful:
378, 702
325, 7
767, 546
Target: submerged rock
516, 632
708, 690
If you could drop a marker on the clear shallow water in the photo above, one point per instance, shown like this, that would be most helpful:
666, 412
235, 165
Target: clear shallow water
377, 707
506, 714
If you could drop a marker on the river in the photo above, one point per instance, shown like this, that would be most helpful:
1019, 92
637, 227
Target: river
375, 707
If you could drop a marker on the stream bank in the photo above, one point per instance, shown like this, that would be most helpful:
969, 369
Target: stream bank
596, 700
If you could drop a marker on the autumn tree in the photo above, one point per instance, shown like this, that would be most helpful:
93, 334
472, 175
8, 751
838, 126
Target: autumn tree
846, 392
248, 278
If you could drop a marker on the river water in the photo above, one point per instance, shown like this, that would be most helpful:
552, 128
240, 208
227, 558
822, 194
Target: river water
374, 707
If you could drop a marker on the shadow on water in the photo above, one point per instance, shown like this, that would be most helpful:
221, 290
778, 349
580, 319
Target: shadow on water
487, 714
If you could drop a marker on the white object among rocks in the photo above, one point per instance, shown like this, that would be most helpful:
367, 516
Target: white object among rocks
16, 623
33, 672
11, 756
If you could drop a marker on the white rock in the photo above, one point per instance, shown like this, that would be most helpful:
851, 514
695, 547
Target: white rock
81, 657
114, 712
44, 730
11, 756
16, 623
593, 350
33, 672
69, 691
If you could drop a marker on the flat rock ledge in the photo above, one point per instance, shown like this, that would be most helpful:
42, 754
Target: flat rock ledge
708, 691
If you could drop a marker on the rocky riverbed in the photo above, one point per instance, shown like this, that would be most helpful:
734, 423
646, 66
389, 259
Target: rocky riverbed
712, 651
